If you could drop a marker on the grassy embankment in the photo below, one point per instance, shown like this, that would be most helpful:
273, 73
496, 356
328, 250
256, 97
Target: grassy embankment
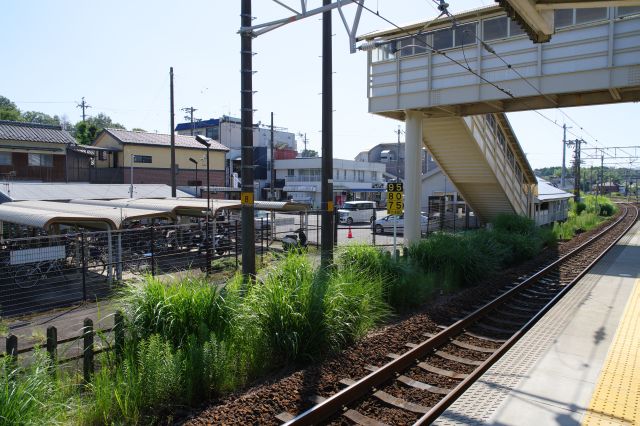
188, 342
584, 216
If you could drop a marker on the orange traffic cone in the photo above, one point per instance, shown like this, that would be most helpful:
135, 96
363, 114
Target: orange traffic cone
349, 235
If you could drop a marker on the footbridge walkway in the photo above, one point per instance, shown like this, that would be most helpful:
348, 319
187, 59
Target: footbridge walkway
452, 79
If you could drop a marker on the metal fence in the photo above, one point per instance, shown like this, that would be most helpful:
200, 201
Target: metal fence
46, 272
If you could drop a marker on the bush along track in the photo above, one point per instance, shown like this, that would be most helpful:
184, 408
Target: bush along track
189, 342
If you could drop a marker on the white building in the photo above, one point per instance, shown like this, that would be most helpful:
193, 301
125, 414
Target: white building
352, 180
226, 130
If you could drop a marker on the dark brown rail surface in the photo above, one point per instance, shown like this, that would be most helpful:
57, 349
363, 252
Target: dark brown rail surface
335, 404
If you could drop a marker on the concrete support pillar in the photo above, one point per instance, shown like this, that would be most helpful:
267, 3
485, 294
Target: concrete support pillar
412, 180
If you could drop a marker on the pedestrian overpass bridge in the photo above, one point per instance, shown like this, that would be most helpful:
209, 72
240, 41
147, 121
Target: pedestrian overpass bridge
451, 80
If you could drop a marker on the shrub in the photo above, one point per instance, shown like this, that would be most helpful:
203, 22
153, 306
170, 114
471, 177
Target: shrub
579, 207
33, 395
175, 309
606, 210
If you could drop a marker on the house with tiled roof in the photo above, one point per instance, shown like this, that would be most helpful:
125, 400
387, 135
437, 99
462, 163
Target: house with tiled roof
147, 157
39, 152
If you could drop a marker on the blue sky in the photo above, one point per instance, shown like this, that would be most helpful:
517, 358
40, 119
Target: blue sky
117, 55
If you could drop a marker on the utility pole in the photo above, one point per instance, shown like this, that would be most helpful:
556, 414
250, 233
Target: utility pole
84, 106
564, 155
246, 107
190, 111
273, 176
326, 245
398, 156
576, 165
173, 136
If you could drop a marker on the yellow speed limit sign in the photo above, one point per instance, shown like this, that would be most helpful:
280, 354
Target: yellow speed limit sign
395, 203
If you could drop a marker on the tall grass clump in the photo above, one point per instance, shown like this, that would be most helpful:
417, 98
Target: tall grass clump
32, 394
457, 259
300, 313
403, 285
175, 309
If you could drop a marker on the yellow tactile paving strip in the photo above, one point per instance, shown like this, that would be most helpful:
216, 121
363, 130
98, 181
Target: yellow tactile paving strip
616, 399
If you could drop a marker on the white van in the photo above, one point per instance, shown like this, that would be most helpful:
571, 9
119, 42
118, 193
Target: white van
357, 211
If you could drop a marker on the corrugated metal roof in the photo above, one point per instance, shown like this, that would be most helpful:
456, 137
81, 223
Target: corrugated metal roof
176, 206
31, 132
22, 191
117, 215
158, 139
42, 218
548, 192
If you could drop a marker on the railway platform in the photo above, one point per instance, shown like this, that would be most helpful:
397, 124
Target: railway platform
580, 364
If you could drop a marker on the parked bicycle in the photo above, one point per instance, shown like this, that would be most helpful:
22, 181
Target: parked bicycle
31, 274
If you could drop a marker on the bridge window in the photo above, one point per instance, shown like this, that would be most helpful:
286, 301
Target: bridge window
590, 14
495, 28
567, 17
412, 46
465, 34
515, 29
628, 10
443, 39
563, 17
385, 52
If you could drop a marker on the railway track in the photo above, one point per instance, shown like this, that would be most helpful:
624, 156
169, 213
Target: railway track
417, 386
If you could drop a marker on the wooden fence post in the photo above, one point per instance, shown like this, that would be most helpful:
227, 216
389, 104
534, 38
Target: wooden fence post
52, 343
88, 350
12, 350
118, 330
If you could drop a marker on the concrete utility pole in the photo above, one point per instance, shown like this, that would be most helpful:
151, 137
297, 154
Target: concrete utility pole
84, 106
576, 165
246, 107
173, 136
190, 111
273, 176
398, 156
326, 238
564, 155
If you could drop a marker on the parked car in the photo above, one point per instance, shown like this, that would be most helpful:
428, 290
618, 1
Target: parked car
386, 224
357, 211
262, 219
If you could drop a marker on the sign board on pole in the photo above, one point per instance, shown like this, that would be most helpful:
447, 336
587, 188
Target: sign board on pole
246, 198
395, 202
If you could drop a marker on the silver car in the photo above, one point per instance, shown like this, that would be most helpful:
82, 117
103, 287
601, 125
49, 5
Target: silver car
386, 224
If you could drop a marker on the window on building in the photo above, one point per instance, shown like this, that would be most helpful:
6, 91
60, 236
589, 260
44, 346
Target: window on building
40, 160
563, 17
465, 34
628, 10
290, 172
5, 158
102, 155
493, 29
142, 159
374, 176
443, 39
515, 29
406, 46
591, 14
213, 132
385, 52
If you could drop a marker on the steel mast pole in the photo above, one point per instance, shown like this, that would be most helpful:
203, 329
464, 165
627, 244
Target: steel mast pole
246, 89
326, 244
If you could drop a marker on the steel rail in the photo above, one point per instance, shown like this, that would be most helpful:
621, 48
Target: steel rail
445, 402
360, 388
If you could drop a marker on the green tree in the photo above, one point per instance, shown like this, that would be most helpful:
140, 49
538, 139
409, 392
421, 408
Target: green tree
9, 110
85, 133
40, 118
309, 153
103, 121
138, 129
